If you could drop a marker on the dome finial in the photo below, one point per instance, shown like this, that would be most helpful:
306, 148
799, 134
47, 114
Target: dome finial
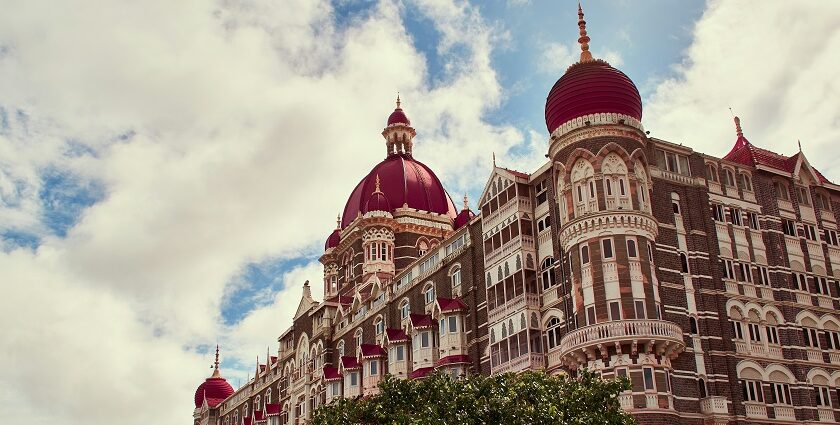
738, 130
378, 189
398, 101
216, 372
585, 56
466, 202
338, 221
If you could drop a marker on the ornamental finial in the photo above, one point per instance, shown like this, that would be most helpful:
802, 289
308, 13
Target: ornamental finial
378, 190
338, 221
216, 373
585, 56
398, 101
466, 202
738, 130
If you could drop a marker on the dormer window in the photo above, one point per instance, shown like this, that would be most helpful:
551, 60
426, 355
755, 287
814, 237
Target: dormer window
711, 172
746, 182
781, 190
823, 202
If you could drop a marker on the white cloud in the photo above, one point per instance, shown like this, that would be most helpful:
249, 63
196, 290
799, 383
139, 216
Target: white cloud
247, 128
775, 64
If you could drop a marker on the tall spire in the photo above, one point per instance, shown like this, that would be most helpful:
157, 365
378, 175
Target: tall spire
585, 56
466, 202
216, 373
738, 130
378, 188
338, 221
398, 101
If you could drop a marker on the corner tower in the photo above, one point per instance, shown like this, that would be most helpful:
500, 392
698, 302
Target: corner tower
613, 319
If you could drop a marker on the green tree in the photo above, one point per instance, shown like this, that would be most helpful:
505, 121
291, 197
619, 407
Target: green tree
524, 398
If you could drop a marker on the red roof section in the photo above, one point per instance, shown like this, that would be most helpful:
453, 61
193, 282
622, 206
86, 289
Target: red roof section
216, 389
403, 180
455, 359
744, 152
421, 373
398, 117
349, 362
272, 409
396, 335
372, 350
343, 299
421, 321
333, 240
463, 218
258, 415
451, 304
588, 88
331, 373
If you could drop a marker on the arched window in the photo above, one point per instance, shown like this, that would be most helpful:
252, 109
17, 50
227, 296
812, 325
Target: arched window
422, 248
405, 309
340, 348
583, 184
553, 332
781, 190
429, 293
729, 177
547, 274
455, 276
614, 171
711, 172
641, 186
701, 386
358, 336
379, 325
632, 252
683, 262
584, 254
746, 182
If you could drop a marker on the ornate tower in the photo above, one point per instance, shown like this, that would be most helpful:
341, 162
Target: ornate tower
606, 235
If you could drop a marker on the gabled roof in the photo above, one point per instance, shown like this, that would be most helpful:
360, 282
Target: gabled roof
451, 304
331, 374
421, 373
372, 350
306, 301
744, 152
455, 359
420, 321
511, 175
396, 335
348, 362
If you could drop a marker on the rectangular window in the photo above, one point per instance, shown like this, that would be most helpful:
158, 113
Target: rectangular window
821, 285
810, 232
746, 272
802, 196
763, 276
615, 310
735, 216
354, 379
753, 220
832, 338
424, 340
400, 353
812, 339
640, 309
831, 237
753, 391
631, 248
453, 324
584, 254
772, 335
823, 396
717, 212
789, 227
755, 332
590, 315
442, 327
621, 372
737, 330
781, 393
648, 378
728, 270
607, 245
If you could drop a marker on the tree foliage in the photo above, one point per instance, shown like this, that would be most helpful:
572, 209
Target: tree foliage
524, 398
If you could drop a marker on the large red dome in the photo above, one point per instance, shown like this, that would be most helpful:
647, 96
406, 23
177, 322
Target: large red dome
591, 87
403, 180
215, 388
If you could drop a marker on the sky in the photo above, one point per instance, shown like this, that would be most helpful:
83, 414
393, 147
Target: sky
169, 171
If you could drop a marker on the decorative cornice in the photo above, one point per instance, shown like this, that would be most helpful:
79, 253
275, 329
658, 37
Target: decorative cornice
595, 125
607, 223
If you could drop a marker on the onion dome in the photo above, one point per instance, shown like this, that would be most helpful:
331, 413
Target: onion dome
214, 389
335, 236
377, 201
399, 181
398, 116
590, 86
464, 216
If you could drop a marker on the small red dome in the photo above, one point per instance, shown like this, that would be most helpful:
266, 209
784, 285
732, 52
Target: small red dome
591, 87
215, 388
333, 239
377, 202
403, 180
463, 218
398, 117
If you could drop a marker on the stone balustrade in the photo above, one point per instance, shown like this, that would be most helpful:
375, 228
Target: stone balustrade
665, 338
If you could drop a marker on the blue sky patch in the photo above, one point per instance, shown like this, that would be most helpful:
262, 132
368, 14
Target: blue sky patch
255, 286
64, 196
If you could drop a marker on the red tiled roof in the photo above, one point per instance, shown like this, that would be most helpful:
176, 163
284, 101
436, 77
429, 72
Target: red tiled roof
213, 388
331, 373
349, 362
272, 409
342, 299
744, 152
422, 320
213, 402
372, 350
456, 359
421, 373
258, 415
396, 335
516, 173
451, 304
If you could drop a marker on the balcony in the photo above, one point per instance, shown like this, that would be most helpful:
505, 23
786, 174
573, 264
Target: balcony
749, 196
826, 414
825, 302
583, 344
834, 358
814, 355
827, 215
714, 405
528, 361
784, 412
605, 223
757, 349
626, 401
521, 302
785, 205
513, 245
834, 256
803, 298
755, 409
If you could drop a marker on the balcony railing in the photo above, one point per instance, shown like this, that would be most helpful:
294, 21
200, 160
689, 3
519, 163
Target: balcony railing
826, 414
784, 412
755, 409
785, 205
577, 346
714, 405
